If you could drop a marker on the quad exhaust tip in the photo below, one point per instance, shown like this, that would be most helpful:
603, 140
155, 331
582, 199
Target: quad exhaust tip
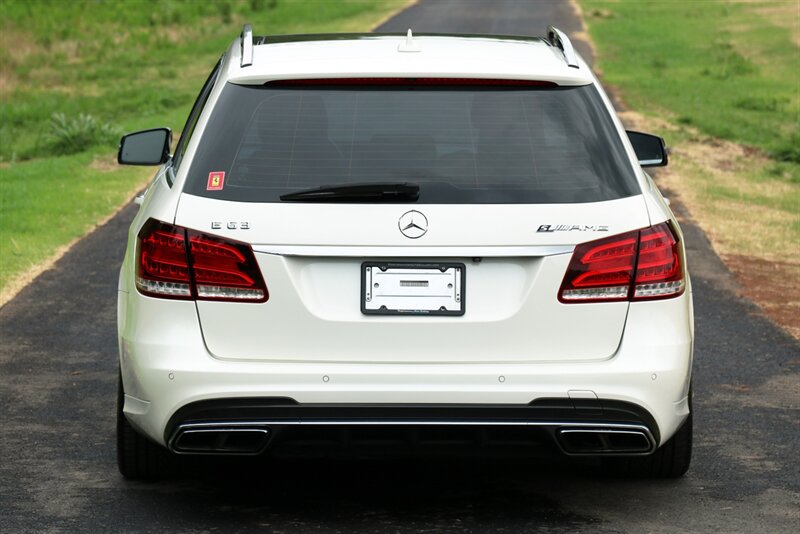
252, 439
604, 441
223, 439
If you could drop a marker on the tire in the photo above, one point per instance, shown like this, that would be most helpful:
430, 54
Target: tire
671, 460
138, 458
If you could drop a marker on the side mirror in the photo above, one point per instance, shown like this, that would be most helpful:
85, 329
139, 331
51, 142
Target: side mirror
148, 147
651, 151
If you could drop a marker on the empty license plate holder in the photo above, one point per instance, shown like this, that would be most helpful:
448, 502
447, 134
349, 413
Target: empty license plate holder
412, 288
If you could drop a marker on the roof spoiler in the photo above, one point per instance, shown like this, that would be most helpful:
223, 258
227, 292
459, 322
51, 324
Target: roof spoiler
555, 36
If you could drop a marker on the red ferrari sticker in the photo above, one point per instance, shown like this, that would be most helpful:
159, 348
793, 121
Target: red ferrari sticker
216, 181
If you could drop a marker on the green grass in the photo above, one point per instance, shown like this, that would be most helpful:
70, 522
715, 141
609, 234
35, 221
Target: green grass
706, 70
725, 68
132, 63
45, 203
74, 74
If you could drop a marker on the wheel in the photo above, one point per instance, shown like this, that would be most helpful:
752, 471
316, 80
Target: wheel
671, 460
138, 458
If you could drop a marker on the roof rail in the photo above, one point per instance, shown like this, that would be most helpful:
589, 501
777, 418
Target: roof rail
559, 39
247, 45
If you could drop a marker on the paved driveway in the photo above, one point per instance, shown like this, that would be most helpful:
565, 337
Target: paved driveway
57, 388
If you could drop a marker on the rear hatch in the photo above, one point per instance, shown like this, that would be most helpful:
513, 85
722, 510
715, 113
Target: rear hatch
311, 257
509, 180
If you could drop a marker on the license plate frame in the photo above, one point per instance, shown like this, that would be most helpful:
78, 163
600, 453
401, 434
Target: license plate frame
413, 288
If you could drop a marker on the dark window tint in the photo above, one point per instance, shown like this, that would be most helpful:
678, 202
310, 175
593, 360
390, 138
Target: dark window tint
461, 145
191, 122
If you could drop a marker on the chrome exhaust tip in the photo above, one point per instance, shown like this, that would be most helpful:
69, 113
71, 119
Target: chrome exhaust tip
212, 438
605, 441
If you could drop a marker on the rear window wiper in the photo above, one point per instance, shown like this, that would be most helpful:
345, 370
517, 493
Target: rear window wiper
375, 192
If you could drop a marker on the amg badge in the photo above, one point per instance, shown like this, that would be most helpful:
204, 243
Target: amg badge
573, 228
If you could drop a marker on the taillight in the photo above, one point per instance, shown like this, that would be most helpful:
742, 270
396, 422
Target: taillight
163, 267
225, 270
209, 268
639, 265
659, 271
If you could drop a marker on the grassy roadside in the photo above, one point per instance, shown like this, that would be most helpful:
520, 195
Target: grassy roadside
46, 203
74, 75
720, 81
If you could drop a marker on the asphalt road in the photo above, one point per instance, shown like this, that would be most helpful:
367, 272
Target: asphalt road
58, 378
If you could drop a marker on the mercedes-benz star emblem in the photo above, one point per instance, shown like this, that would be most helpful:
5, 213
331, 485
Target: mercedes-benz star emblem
413, 224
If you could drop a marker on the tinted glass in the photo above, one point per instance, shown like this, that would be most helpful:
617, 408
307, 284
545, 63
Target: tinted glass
461, 145
191, 122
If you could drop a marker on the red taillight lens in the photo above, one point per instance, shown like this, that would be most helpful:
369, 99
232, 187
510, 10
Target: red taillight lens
211, 269
601, 270
638, 265
225, 270
163, 267
659, 271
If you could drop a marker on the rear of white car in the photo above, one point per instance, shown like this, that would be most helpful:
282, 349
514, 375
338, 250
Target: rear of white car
404, 232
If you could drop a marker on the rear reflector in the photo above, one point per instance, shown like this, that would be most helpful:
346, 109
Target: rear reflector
211, 269
638, 265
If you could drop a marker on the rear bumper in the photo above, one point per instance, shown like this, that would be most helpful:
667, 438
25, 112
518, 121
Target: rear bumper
167, 367
250, 425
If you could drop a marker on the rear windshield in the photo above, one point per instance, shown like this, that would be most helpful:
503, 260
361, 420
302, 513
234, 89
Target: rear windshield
461, 145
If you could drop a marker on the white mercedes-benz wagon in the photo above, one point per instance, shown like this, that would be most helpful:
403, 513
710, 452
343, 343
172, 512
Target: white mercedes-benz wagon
401, 238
